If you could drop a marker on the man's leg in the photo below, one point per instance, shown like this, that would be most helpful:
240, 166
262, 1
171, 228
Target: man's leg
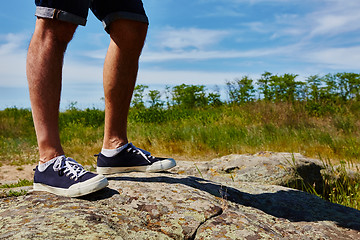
58, 174
44, 72
120, 72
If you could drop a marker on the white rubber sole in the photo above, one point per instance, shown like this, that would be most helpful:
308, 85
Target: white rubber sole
79, 189
159, 166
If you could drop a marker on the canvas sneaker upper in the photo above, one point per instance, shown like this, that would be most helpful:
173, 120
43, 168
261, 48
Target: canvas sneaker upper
130, 159
66, 177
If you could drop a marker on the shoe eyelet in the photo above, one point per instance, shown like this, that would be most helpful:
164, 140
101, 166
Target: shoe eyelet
61, 172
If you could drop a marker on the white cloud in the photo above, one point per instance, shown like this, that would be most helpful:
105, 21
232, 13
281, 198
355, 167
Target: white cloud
13, 60
332, 21
174, 77
317, 18
164, 56
336, 58
177, 39
259, 27
95, 54
12, 70
13, 64
223, 11
12, 43
174, 43
81, 72
326, 18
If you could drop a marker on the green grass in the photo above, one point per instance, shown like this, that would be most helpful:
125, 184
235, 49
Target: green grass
338, 185
202, 133
14, 193
20, 183
250, 128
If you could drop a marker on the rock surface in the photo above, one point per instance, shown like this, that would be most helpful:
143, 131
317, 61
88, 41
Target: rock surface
176, 206
264, 167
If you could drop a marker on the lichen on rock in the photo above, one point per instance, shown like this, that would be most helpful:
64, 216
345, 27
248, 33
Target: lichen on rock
177, 206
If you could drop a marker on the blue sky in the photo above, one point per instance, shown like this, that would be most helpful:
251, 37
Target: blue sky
195, 42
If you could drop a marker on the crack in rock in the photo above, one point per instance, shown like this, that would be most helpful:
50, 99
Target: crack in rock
220, 212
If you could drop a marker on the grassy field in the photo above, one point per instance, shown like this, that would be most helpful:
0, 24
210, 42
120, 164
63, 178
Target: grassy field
205, 133
191, 134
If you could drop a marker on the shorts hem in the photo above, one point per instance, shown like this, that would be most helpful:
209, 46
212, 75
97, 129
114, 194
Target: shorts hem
123, 15
45, 12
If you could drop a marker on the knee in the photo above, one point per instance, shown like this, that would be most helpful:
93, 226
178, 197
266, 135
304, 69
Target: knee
55, 31
128, 35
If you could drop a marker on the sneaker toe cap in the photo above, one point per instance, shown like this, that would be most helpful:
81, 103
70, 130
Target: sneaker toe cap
162, 165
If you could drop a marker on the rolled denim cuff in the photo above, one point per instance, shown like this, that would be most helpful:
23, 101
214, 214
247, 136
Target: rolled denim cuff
123, 15
52, 13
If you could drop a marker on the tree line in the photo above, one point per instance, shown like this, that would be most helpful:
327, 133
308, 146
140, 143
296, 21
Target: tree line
319, 93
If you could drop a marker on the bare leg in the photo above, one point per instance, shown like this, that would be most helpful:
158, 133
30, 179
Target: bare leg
120, 72
44, 73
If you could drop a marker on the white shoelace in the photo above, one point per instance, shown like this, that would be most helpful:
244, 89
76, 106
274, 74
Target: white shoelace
145, 154
70, 167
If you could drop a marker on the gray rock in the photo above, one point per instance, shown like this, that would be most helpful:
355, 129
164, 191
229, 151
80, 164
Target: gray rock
284, 169
173, 206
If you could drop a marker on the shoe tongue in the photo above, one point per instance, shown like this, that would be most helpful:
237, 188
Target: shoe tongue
43, 166
141, 150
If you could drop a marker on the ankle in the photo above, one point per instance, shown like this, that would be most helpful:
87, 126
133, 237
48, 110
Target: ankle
114, 144
47, 156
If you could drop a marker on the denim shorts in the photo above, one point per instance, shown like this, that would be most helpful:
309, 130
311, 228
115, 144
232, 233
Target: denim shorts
76, 11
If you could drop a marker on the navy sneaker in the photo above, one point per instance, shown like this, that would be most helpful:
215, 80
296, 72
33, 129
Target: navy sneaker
132, 159
65, 177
